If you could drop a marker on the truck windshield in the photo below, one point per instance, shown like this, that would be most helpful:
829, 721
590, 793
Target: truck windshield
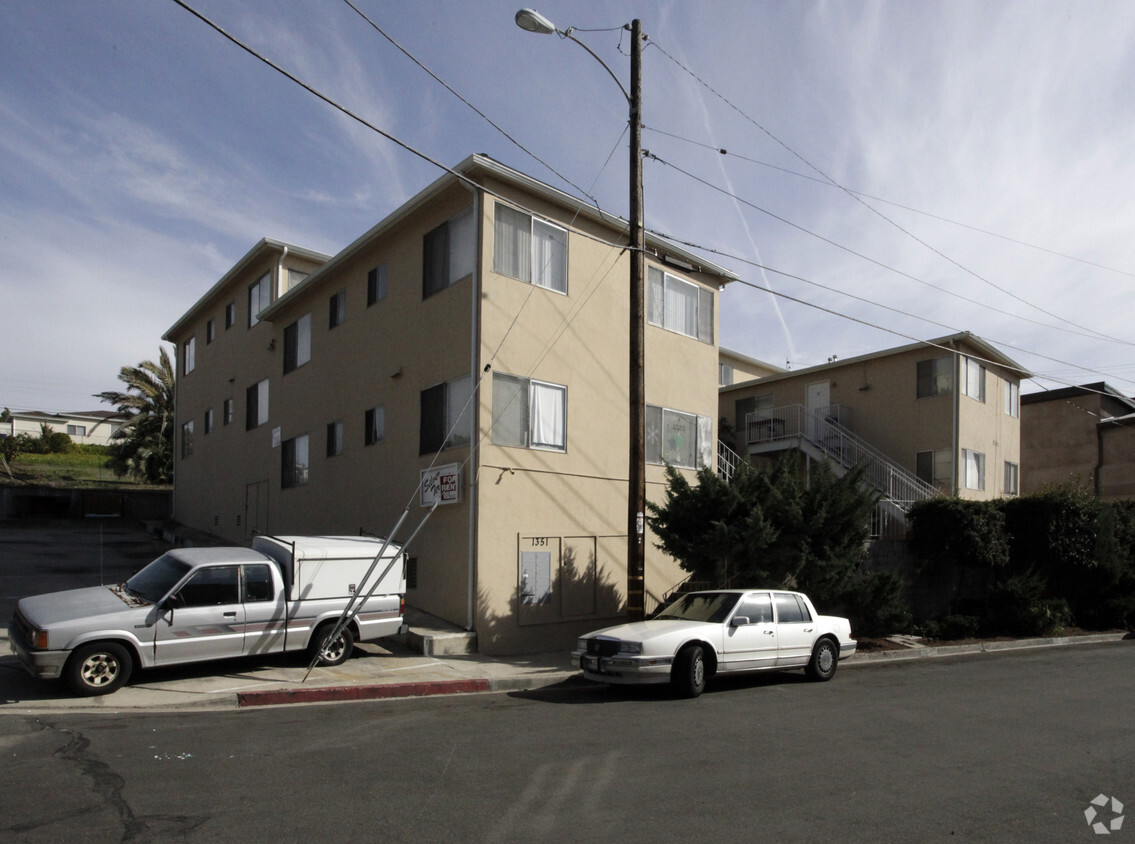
154, 581
702, 606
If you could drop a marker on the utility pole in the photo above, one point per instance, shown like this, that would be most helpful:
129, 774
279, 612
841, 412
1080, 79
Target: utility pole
636, 499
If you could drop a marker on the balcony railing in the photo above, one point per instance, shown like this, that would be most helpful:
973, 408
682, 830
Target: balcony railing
820, 428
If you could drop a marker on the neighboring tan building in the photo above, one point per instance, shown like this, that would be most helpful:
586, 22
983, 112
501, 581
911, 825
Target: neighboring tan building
1081, 435
734, 368
940, 416
94, 427
474, 346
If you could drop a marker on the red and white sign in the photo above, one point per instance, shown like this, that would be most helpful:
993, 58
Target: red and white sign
442, 482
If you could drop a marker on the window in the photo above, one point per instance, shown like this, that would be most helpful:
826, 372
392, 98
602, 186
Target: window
529, 414
187, 438
791, 610
934, 467
974, 462
677, 438
209, 421
294, 277
259, 298
724, 374
210, 331
76, 430
1012, 478
935, 377
974, 385
1012, 398
374, 426
337, 310
760, 406
295, 462
227, 412
297, 343
210, 587
256, 405
449, 253
678, 305
445, 422
334, 438
189, 356
756, 608
376, 285
257, 583
529, 249
230, 315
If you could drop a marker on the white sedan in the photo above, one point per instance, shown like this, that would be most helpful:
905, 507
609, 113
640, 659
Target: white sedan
720, 632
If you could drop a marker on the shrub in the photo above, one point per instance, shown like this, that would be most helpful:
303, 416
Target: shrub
876, 604
952, 627
1017, 607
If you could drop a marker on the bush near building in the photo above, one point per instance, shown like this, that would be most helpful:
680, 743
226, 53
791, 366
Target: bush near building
1031, 565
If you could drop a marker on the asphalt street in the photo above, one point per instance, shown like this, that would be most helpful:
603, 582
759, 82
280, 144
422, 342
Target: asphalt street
999, 747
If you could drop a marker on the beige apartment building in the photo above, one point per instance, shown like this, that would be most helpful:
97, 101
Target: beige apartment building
940, 416
1079, 435
472, 347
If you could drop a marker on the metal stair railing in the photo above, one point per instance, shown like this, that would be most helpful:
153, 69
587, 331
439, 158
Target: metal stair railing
898, 485
727, 461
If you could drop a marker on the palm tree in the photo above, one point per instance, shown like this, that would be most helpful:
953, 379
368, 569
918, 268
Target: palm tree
143, 446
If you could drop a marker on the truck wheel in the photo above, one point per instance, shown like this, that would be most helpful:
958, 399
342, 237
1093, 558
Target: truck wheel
825, 658
331, 653
98, 669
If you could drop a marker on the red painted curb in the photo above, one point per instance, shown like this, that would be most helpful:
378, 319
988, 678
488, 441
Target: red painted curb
332, 693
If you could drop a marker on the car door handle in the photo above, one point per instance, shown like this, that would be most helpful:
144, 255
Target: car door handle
770, 632
230, 615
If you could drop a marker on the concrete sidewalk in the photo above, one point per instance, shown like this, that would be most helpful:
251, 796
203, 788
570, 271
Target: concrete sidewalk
377, 671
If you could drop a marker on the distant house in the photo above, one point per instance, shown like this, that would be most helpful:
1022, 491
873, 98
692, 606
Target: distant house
940, 416
93, 427
1081, 435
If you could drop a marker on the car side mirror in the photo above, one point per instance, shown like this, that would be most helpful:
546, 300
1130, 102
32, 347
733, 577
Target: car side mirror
739, 621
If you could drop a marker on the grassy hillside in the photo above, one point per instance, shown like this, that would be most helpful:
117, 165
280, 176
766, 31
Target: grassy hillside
81, 468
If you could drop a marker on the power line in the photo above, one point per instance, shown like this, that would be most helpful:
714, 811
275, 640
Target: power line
878, 213
878, 263
913, 210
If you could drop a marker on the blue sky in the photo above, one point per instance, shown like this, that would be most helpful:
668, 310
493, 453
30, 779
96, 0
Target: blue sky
983, 153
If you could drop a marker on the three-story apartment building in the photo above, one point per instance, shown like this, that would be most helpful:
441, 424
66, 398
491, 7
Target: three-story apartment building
472, 346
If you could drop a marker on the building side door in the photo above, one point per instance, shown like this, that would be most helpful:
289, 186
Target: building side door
817, 399
256, 508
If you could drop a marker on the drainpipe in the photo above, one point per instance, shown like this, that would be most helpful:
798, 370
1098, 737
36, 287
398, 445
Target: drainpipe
280, 274
475, 373
958, 468
1099, 457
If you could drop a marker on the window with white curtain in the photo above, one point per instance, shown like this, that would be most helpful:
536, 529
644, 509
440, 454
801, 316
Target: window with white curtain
1012, 478
529, 414
678, 438
974, 462
1012, 398
974, 379
529, 249
259, 298
297, 343
446, 415
679, 305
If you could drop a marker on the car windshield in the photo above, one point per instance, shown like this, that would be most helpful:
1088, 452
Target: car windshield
702, 606
154, 581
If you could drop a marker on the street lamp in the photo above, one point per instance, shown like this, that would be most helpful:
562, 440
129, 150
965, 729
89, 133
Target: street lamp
533, 21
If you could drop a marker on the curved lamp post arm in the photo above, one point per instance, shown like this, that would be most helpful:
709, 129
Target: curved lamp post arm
533, 21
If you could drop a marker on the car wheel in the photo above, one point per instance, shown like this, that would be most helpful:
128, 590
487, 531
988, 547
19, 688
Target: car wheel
98, 669
689, 671
825, 658
331, 653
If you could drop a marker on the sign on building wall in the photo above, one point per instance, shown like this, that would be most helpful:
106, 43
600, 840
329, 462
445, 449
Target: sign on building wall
441, 482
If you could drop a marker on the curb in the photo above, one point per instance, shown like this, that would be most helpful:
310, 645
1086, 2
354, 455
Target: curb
934, 651
378, 692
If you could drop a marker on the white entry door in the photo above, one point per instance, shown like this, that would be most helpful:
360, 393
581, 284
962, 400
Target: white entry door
817, 399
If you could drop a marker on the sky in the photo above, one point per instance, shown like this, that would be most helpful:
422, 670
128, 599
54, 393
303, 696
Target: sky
892, 171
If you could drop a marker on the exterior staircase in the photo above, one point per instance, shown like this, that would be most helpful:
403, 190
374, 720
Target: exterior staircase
820, 435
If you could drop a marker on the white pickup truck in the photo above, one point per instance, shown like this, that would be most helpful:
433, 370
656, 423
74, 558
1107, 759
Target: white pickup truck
195, 604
